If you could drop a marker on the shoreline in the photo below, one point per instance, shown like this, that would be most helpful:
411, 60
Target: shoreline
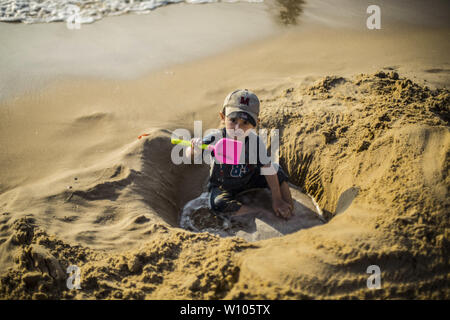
126, 46
35, 56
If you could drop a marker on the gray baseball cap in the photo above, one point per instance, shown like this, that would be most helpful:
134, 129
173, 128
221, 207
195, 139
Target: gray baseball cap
242, 101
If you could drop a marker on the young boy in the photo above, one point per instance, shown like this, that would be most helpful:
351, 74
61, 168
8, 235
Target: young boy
240, 116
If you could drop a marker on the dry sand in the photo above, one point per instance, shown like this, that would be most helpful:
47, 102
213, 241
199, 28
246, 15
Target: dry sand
78, 187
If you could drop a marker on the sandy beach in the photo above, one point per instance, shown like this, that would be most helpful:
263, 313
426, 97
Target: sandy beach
363, 118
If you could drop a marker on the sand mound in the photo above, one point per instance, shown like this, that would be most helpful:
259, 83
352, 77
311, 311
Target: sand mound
41, 262
109, 205
372, 150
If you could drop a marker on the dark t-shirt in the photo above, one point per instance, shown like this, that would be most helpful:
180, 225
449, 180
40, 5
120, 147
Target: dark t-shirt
236, 177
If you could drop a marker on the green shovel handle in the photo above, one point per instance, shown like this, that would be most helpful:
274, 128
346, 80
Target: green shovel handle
187, 143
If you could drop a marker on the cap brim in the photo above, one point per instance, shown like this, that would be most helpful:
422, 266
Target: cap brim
241, 114
229, 110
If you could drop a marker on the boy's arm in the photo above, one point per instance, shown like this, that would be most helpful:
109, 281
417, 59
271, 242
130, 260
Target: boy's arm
280, 206
195, 149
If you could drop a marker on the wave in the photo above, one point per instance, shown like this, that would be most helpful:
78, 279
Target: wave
83, 11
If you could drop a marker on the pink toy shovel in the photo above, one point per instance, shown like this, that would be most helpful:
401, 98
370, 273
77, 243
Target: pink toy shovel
226, 150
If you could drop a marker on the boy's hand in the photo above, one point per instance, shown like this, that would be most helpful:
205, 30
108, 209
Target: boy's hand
282, 208
195, 149
196, 143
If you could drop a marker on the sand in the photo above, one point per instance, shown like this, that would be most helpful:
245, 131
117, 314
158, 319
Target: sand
363, 121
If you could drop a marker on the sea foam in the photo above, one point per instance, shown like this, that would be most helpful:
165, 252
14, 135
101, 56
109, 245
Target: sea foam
82, 11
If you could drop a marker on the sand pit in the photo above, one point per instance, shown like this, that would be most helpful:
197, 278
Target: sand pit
372, 150
197, 217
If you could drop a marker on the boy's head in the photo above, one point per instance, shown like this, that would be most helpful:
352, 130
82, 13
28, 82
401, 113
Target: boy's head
240, 110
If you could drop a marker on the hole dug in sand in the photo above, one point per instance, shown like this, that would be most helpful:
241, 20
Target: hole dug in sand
172, 191
263, 224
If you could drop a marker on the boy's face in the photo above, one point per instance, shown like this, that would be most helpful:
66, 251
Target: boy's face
236, 126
